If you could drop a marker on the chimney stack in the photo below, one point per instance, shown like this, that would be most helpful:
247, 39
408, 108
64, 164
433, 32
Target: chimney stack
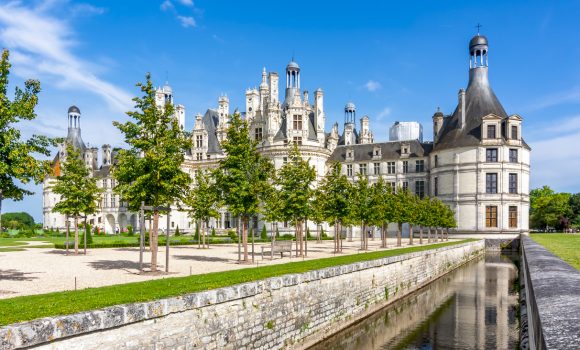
462, 108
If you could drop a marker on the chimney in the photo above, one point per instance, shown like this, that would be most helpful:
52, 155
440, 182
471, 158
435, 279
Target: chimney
461, 108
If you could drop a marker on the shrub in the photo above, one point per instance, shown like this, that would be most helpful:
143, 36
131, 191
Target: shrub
277, 232
213, 234
264, 233
130, 230
232, 235
89, 236
308, 235
323, 234
196, 237
177, 234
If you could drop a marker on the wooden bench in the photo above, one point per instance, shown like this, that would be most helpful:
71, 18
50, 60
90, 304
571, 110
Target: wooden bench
278, 247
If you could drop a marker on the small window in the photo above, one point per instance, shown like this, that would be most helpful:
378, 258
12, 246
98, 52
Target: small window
513, 155
362, 169
376, 152
513, 183
513, 216
390, 167
297, 122
258, 134
405, 185
349, 170
490, 216
285, 160
436, 160
491, 155
377, 168
393, 186
199, 156
405, 167
420, 188
491, 183
199, 141
436, 186
419, 166
297, 140
514, 132
491, 132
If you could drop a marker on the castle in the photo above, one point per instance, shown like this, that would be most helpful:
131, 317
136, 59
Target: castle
477, 163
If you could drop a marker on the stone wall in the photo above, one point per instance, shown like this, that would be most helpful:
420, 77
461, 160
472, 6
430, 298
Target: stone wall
290, 311
552, 299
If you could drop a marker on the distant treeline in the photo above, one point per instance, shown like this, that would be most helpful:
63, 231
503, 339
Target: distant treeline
557, 210
17, 220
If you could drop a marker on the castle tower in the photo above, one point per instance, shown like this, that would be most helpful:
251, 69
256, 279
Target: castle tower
292, 80
349, 137
366, 135
264, 91
106, 152
319, 115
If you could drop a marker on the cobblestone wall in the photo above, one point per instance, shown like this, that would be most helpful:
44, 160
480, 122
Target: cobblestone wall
291, 311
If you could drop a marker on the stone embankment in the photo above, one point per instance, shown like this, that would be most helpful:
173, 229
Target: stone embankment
290, 311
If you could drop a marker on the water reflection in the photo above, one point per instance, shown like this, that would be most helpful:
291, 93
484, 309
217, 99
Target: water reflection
473, 307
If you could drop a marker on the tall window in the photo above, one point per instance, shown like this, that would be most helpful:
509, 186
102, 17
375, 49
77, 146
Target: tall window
199, 156
419, 166
258, 134
436, 186
491, 155
513, 183
199, 141
513, 155
349, 170
436, 160
377, 168
513, 216
392, 185
297, 140
362, 169
390, 167
491, 132
514, 132
491, 216
405, 167
420, 188
405, 185
491, 183
297, 122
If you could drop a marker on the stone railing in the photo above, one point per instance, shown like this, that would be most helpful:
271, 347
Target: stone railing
290, 311
552, 298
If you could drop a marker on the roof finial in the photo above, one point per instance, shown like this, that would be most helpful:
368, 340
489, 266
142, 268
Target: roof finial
438, 109
478, 26
166, 77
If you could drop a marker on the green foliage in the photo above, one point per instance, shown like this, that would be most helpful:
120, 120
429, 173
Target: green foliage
25, 308
130, 230
548, 208
264, 233
18, 165
149, 170
17, 220
202, 198
334, 196
232, 234
323, 234
88, 234
177, 233
213, 233
196, 233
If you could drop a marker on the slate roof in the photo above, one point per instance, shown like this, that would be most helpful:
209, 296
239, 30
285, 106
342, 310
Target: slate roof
210, 121
389, 150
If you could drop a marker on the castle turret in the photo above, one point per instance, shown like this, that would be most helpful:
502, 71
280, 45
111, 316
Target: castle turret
106, 153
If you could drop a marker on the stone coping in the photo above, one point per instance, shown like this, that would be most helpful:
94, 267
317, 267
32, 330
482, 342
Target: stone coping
553, 288
47, 329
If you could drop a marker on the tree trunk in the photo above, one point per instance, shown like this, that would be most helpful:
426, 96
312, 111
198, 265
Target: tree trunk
306, 237
67, 232
245, 237
85, 236
153, 240
441, 235
399, 233
384, 234
420, 234
204, 233
336, 236
447, 234
76, 235
410, 234
150, 232
435, 238
1, 198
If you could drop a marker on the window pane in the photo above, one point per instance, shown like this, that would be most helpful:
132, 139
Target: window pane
513, 183
491, 183
491, 134
513, 217
491, 216
491, 155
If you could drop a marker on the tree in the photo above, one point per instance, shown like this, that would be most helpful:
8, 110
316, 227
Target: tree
402, 210
335, 196
77, 189
383, 201
243, 175
271, 208
294, 182
574, 203
548, 208
202, 200
448, 220
363, 208
316, 213
422, 218
150, 170
18, 166
21, 219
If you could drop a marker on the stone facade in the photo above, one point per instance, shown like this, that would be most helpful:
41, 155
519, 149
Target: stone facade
290, 311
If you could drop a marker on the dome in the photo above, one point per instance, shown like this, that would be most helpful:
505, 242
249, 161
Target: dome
477, 40
350, 106
74, 109
167, 88
293, 64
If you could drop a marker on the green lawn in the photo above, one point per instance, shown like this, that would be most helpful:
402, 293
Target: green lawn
566, 246
27, 308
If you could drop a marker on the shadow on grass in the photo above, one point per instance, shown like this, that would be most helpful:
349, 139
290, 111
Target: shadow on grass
15, 275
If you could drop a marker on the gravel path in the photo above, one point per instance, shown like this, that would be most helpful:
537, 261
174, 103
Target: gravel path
37, 270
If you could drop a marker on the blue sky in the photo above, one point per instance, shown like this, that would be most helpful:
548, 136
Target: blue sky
394, 60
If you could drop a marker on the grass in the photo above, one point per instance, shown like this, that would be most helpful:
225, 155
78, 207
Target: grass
566, 246
26, 308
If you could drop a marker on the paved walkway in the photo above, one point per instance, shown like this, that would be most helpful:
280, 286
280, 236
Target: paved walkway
37, 270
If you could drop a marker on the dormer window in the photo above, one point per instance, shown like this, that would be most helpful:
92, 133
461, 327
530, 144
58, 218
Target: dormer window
349, 154
376, 152
491, 132
514, 132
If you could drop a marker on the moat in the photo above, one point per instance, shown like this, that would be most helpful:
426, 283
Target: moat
473, 307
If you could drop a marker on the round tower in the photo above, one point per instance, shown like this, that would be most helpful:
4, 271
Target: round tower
478, 52
349, 113
74, 117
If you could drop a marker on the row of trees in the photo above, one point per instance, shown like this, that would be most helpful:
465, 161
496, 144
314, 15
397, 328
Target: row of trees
556, 210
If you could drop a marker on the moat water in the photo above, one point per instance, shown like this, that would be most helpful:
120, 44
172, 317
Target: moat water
473, 307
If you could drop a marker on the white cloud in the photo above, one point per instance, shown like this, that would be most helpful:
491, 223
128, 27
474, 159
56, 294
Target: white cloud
186, 21
166, 5
87, 9
570, 96
372, 85
385, 112
42, 45
186, 2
